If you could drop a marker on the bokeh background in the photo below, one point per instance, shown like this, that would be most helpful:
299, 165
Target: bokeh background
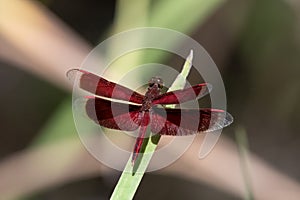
255, 44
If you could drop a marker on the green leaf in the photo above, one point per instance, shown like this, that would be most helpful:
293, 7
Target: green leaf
133, 174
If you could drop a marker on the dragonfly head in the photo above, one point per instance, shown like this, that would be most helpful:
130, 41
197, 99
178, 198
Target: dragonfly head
156, 82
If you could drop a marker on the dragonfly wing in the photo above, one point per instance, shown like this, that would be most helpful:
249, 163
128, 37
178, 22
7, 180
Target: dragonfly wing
102, 87
113, 115
181, 96
188, 121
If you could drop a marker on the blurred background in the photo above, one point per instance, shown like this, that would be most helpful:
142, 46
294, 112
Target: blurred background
255, 44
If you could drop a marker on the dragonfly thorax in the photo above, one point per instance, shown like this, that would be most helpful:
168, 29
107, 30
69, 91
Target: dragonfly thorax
154, 89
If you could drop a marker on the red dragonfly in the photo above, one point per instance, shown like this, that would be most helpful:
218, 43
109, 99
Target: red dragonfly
137, 111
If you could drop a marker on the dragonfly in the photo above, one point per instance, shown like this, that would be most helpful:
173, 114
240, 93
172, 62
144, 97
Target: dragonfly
117, 107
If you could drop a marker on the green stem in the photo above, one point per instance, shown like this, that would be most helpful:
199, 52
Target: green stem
241, 137
133, 174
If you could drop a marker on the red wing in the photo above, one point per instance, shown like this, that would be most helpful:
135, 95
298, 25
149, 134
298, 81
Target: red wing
188, 121
113, 115
102, 87
180, 96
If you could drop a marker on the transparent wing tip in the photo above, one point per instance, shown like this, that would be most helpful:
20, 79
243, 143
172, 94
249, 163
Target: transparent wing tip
209, 87
225, 119
72, 74
228, 119
219, 120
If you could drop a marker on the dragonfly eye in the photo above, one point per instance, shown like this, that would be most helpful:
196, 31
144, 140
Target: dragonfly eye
151, 84
156, 81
